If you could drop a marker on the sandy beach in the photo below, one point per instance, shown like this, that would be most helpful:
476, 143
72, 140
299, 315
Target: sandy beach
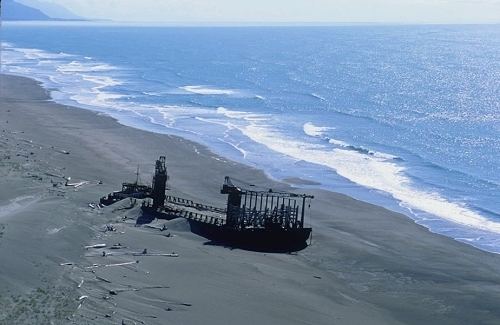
365, 264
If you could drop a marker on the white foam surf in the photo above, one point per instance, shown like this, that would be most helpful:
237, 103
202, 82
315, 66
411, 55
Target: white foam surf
246, 116
36, 54
102, 81
315, 131
319, 132
81, 80
151, 93
206, 90
339, 143
374, 172
362, 150
76, 66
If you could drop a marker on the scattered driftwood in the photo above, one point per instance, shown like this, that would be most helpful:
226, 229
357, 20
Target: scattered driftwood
66, 264
96, 246
77, 185
118, 246
102, 279
94, 266
105, 254
60, 150
95, 206
121, 264
162, 228
117, 291
81, 299
157, 254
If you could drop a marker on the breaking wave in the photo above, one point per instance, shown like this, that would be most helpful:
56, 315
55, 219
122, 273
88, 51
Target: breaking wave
315, 131
372, 170
320, 132
205, 90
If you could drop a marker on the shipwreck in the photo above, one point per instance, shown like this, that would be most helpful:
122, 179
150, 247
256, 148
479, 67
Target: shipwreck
259, 220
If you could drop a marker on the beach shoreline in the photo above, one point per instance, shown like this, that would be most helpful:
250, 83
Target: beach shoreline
365, 265
366, 159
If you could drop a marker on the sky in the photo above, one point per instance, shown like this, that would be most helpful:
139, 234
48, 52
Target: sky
289, 11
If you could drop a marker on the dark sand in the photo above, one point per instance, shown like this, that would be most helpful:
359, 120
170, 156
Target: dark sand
366, 265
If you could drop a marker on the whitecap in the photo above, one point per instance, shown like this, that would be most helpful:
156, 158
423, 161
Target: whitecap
102, 81
76, 66
241, 115
206, 90
362, 150
339, 143
150, 93
36, 54
318, 97
315, 131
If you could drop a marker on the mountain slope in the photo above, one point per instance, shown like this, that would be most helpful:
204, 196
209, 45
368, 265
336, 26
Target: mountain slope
51, 9
12, 10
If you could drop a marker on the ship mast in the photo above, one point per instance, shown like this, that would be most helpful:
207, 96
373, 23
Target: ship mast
137, 175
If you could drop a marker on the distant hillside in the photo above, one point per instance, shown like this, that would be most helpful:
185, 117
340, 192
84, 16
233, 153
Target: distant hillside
51, 9
12, 10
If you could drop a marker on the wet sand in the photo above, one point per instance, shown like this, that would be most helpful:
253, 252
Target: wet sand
365, 265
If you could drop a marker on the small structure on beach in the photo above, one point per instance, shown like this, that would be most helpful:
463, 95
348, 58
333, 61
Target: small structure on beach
261, 220
129, 190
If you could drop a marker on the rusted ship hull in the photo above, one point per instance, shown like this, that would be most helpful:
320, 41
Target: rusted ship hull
263, 220
260, 239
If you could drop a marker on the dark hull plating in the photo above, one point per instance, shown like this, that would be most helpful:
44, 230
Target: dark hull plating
270, 240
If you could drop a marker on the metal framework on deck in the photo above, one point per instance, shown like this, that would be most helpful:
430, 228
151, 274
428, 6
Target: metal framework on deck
263, 209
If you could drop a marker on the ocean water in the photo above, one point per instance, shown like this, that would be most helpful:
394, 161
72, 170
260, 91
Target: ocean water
407, 117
